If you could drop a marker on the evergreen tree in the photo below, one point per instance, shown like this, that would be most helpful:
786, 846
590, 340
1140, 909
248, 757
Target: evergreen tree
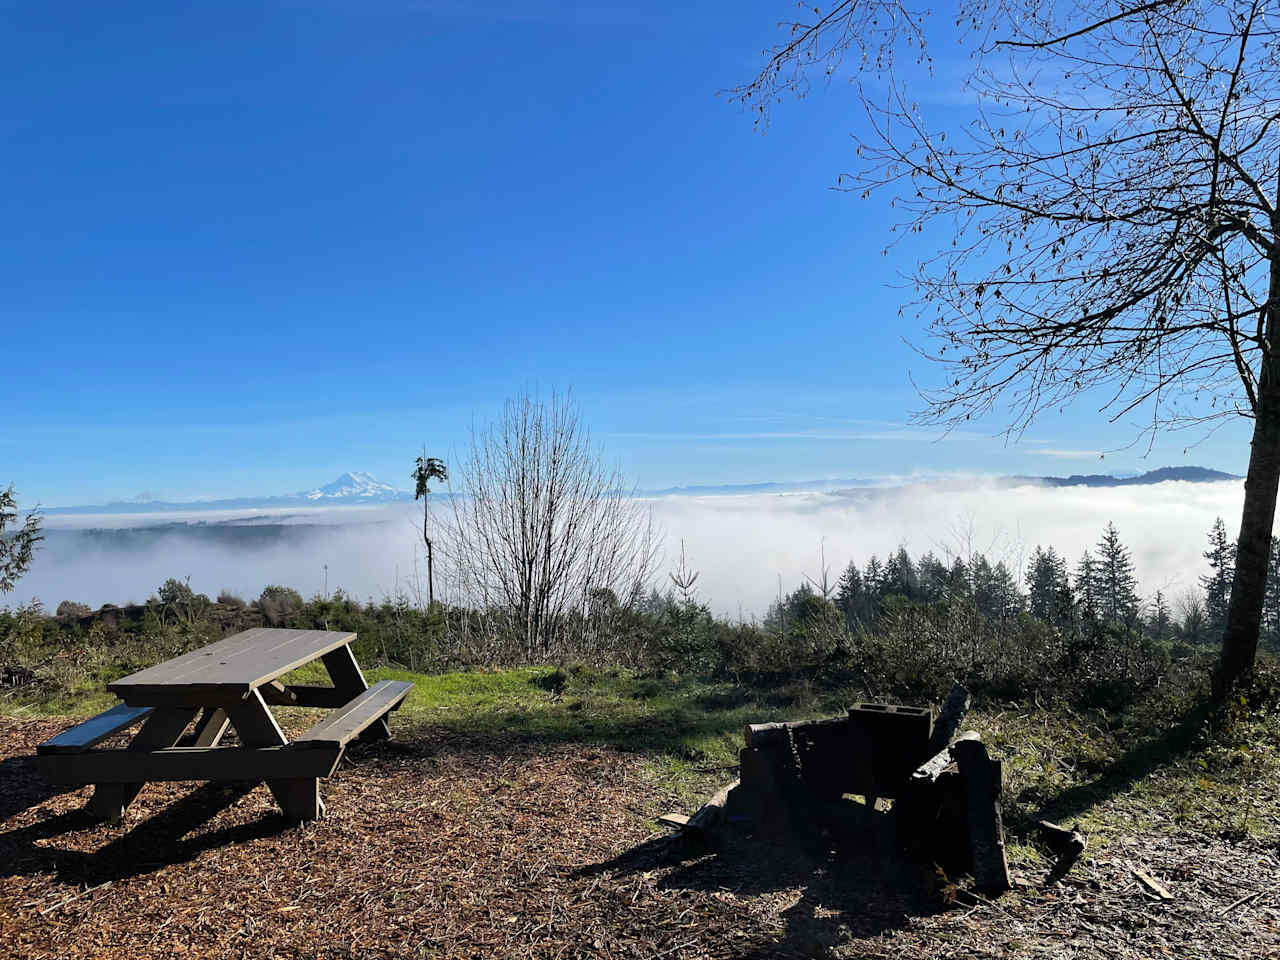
851, 598
1048, 588
899, 578
932, 575
1086, 586
1115, 585
873, 583
1160, 626
958, 585
1217, 584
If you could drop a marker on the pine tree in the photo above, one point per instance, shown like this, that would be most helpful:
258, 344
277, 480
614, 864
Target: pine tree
1048, 587
1086, 586
900, 576
1116, 593
932, 574
1217, 584
851, 598
1160, 626
873, 585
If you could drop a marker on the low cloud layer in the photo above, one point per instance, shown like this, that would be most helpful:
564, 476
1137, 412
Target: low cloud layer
742, 545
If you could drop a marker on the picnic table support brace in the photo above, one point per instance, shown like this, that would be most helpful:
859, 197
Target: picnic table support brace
210, 727
350, 682
163, 728
256, 727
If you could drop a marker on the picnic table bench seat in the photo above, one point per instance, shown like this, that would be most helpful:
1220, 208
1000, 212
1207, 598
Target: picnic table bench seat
344, 724
94, 730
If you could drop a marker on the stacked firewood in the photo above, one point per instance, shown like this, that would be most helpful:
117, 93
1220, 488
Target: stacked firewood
795, 779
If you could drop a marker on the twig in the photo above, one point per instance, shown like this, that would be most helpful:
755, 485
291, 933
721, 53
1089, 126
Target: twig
1240, 902
74, 896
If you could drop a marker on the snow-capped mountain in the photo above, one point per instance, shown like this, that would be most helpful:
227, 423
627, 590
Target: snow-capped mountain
355, 485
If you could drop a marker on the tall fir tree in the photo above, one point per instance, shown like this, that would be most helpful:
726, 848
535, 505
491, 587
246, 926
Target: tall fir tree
1048, 590
1217, 583
900, 576
851, 598
1116, 586
1086, 586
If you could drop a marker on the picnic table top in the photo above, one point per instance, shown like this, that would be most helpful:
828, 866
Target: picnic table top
231, 668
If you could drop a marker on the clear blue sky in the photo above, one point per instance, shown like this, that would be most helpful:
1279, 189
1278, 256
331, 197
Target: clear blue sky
249, 246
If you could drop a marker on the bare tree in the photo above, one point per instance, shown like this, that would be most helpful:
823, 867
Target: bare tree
1113, 208
17, 547
544, 533
426, 470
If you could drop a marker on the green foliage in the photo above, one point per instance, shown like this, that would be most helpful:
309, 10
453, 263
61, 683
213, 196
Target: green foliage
17, 548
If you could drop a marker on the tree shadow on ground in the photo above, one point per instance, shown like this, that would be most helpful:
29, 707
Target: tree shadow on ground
170, 837
851, 886
1179, 738
22, 787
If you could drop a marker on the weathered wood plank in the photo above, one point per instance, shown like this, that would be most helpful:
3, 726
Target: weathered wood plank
110, 767
212, 725
230, 667
348, 679
256, 727
94, 731
347, 722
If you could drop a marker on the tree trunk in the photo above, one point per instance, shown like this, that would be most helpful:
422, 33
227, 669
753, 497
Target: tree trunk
431, 580
1253, 550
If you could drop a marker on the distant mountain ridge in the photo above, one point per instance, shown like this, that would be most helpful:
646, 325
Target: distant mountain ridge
353, 488
1161, 475
358, 488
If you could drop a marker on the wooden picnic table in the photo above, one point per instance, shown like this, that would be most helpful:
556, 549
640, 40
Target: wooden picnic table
231, 683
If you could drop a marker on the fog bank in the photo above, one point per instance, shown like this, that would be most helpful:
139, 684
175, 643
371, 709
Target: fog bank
741, 544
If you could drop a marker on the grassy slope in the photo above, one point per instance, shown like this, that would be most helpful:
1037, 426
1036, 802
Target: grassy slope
1162, 766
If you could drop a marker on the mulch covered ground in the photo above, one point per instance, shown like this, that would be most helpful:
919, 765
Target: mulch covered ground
493, 848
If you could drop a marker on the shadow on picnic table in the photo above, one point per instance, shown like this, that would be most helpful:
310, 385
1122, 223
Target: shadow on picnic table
862, 889
172, 836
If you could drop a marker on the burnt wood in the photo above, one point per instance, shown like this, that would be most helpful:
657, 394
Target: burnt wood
348, 722
982, 784
953, 710
767, 735
94, 731
229, 669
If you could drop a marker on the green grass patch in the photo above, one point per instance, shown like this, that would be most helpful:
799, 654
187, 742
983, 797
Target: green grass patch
1167, 764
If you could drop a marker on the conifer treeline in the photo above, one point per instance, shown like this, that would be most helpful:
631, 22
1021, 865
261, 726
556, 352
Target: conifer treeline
1099, 590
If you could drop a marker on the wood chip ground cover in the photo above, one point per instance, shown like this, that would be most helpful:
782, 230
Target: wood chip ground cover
441, 846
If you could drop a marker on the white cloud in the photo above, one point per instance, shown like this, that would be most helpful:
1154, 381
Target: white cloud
742, 544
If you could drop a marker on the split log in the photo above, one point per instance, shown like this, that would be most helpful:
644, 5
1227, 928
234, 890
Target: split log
711, 815
982, 784
953, 710
930, 813
769, 735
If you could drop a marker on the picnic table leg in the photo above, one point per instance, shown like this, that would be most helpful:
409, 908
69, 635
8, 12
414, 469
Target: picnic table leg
298, 798
349, 680
162, 728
